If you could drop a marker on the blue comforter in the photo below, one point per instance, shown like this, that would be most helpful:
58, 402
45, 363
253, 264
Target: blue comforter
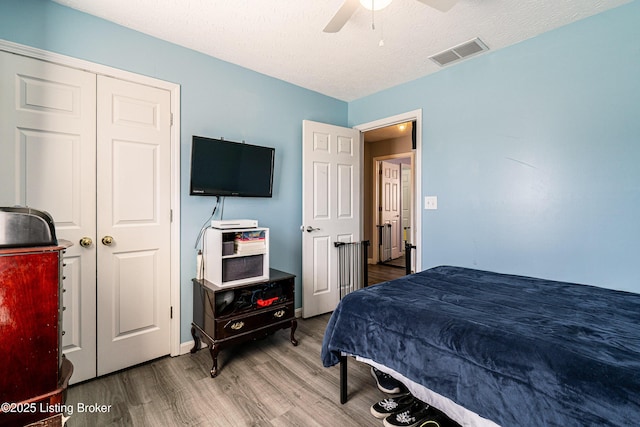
517, 350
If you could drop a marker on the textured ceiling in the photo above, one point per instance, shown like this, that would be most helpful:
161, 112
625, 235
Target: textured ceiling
284, 38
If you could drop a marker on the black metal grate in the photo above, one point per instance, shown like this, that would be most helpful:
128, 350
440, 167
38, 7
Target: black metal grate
353, 273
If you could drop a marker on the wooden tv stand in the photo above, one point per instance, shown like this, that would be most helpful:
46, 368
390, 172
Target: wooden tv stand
248, 317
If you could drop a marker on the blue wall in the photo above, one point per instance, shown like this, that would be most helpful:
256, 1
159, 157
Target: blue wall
534, 154
533, 150
217, 99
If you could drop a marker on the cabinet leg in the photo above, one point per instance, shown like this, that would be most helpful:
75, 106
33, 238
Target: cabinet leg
214, 350
196, 340
294, 325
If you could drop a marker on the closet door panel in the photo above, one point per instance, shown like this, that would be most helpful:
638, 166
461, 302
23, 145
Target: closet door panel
134, 216
47, 161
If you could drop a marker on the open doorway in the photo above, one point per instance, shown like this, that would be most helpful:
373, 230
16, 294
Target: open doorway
389, 198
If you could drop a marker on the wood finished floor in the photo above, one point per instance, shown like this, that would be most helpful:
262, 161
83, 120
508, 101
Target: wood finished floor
380, 273
262, 383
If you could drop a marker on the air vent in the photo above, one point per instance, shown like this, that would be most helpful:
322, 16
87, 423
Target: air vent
457, 53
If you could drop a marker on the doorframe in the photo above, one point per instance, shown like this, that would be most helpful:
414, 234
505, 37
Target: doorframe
415, 115
375, 244
174, 89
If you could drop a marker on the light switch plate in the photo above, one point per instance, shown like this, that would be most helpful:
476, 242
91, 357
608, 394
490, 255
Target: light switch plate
431, 202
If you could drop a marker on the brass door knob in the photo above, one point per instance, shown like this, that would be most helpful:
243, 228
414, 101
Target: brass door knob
85, 242
107, 240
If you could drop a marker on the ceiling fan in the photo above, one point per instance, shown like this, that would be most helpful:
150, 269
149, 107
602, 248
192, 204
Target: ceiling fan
349, 7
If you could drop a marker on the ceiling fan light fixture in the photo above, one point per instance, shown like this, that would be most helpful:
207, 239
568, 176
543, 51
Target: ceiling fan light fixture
375, 4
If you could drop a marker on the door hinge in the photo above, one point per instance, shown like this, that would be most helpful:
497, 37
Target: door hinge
171, 314
171, 119
170, 215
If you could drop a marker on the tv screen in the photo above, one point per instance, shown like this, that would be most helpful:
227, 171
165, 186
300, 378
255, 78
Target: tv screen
225, 168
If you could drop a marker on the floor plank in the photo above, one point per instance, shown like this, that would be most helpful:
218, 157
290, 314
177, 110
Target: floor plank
266, 383
378, 273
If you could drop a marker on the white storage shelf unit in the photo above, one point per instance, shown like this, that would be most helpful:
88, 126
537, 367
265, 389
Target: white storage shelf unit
236, 256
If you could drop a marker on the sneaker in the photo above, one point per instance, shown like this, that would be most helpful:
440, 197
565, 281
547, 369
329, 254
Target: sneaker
413, 416
386, 383
438, 420
391, 405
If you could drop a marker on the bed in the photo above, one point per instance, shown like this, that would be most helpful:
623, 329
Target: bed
496, 349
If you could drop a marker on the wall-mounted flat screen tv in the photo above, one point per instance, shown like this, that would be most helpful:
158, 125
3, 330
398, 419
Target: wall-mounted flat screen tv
226, 168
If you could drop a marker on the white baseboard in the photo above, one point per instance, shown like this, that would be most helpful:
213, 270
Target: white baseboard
186, 347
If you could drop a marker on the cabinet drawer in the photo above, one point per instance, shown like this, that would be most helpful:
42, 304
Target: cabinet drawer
239, 325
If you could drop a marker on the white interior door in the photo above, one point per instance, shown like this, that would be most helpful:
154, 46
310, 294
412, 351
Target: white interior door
390, 207
331, 203
134, 215
47, 162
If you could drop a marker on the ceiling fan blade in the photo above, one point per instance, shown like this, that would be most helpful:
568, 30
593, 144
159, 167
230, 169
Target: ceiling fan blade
441, 5
342, 16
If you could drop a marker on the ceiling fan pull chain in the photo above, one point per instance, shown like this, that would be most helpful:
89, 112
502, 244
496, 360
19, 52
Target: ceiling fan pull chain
373, 11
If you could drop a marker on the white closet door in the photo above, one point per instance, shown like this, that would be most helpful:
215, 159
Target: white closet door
47, 162
133, 165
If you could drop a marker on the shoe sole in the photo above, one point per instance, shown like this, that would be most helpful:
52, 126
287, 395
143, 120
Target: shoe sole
379, 415
420, 423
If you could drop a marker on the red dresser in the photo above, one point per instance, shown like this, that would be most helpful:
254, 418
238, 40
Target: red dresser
33, 372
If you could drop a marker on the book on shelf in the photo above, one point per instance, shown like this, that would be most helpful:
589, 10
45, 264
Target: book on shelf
250, 251
250, 242
250, 236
